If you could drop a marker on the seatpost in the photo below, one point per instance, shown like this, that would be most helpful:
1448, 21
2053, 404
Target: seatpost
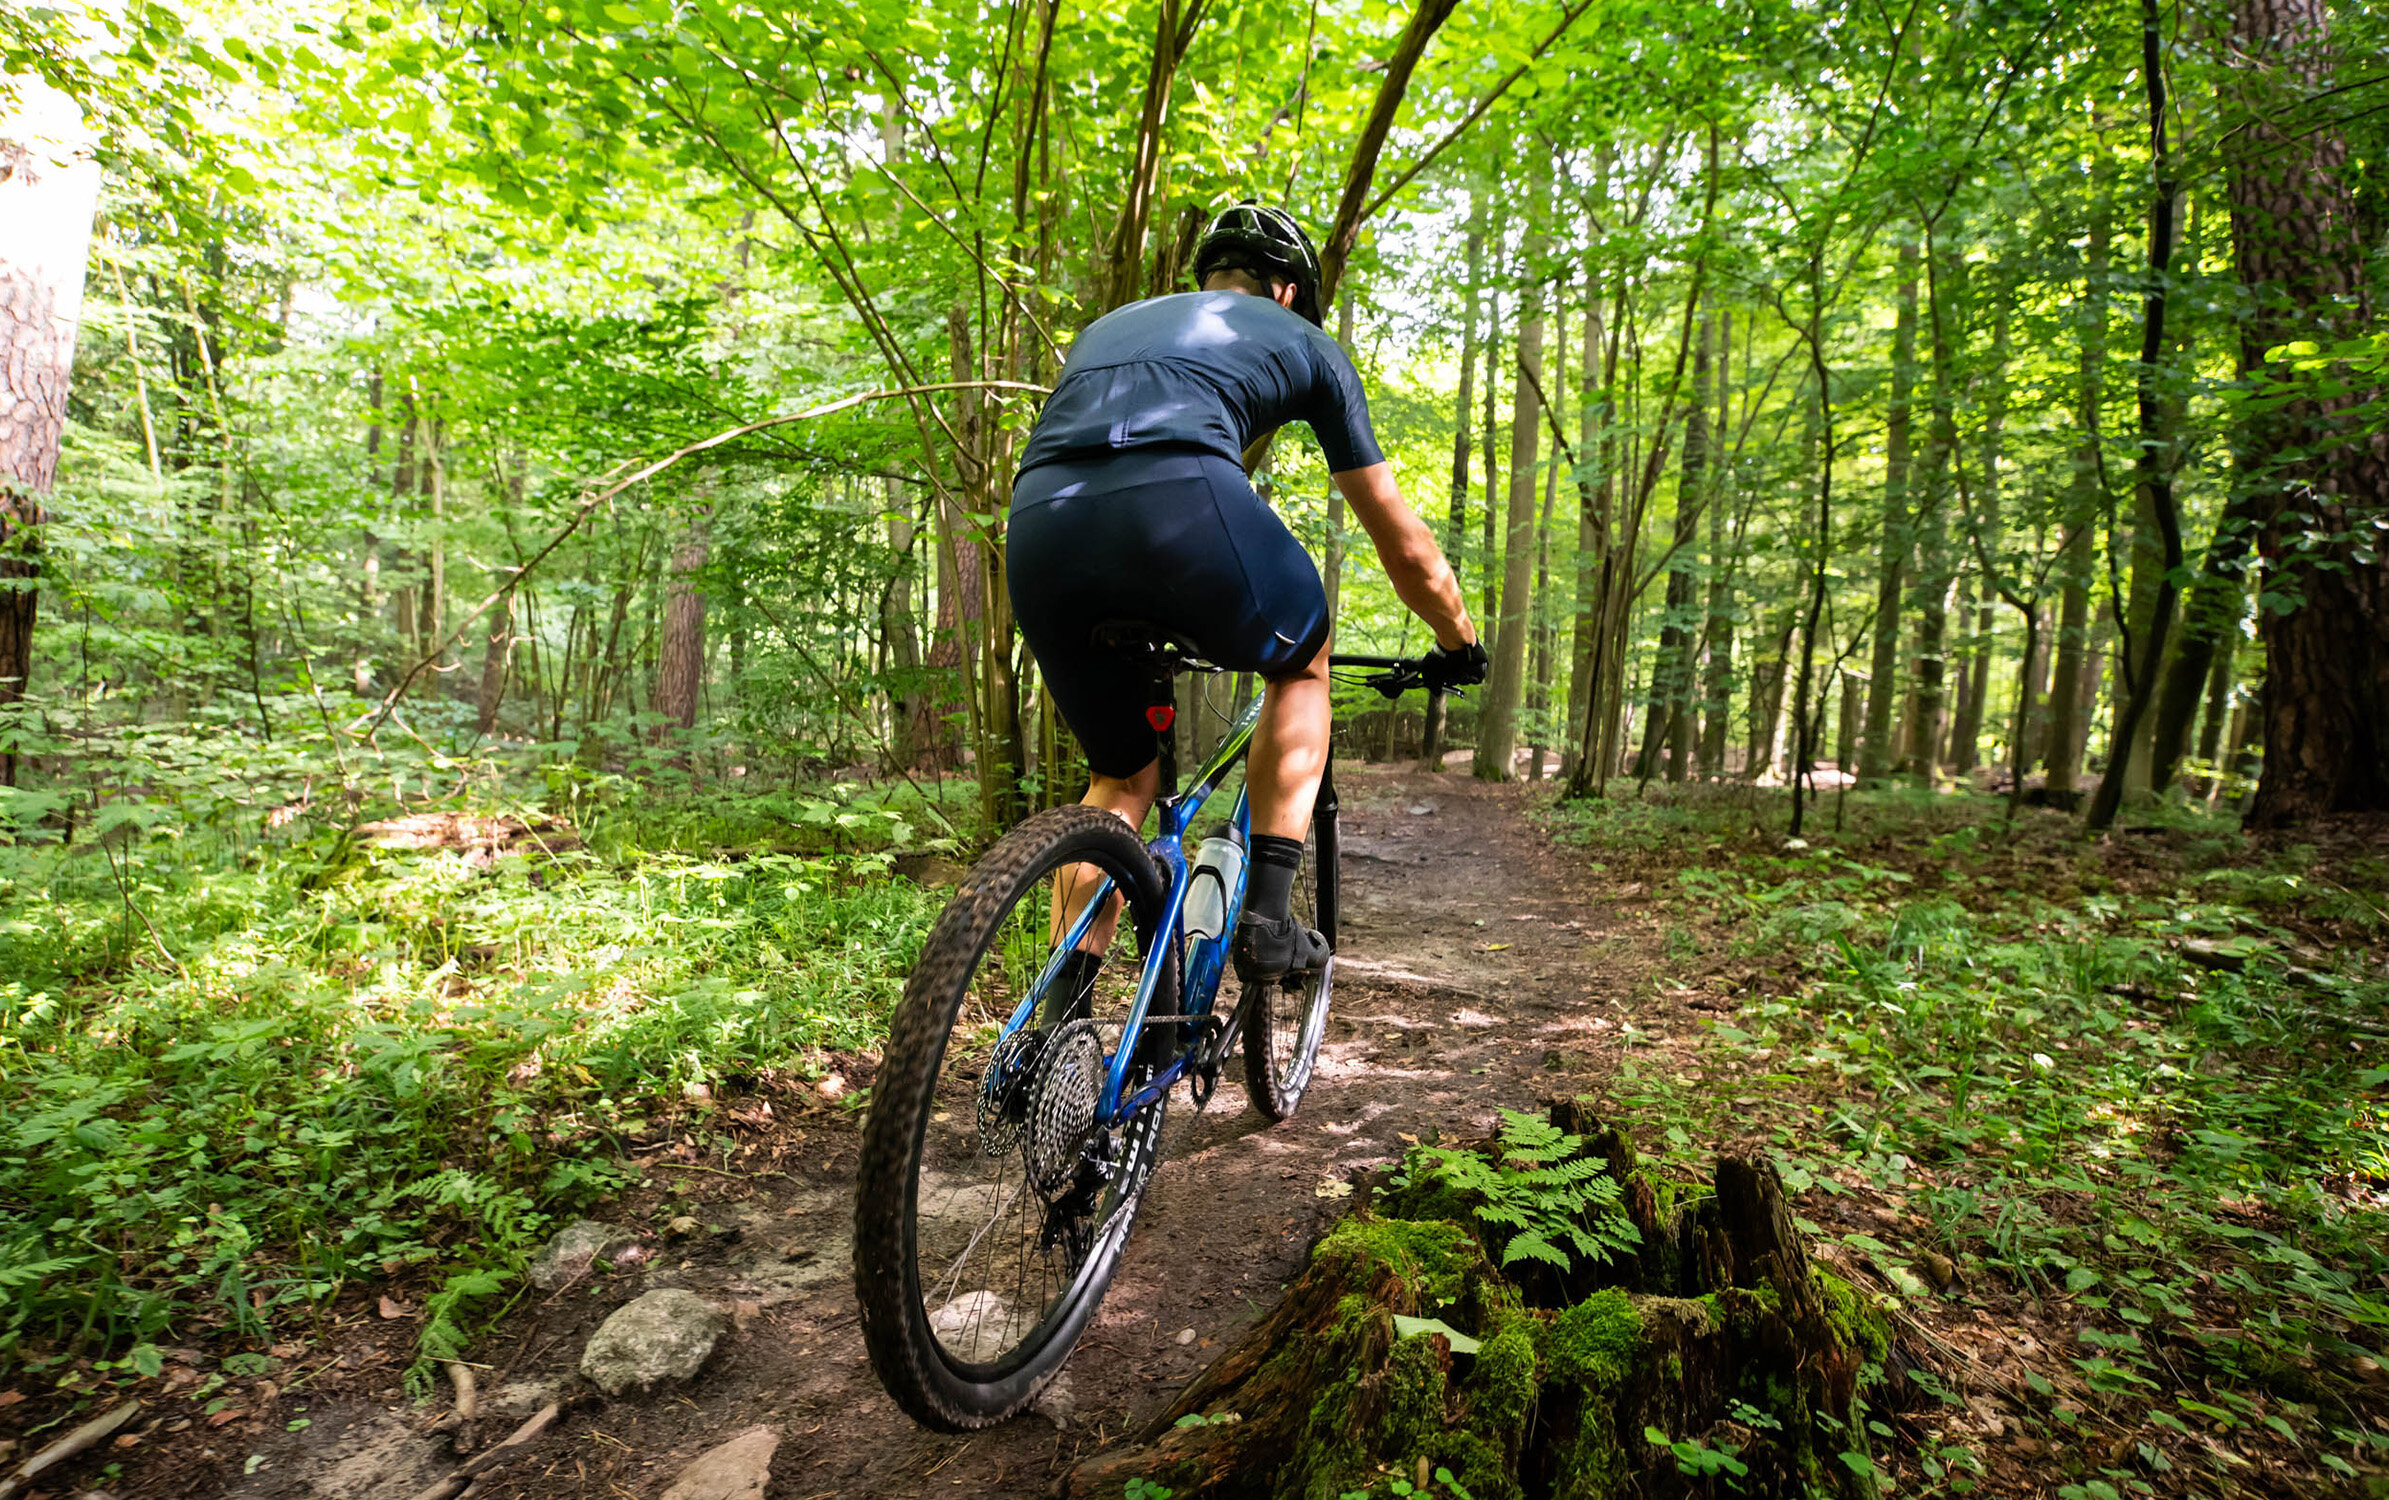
1162, 713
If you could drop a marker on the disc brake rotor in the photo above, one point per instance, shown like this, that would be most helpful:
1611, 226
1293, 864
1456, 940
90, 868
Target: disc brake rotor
1004, 1091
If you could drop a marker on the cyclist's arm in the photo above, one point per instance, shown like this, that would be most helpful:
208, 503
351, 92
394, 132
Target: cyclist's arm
1421, 577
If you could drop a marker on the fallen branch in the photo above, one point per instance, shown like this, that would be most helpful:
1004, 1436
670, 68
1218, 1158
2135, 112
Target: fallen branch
86, 1436
518, 1442
367, 725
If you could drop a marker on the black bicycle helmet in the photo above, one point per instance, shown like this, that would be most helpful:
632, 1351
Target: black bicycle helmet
1265, 241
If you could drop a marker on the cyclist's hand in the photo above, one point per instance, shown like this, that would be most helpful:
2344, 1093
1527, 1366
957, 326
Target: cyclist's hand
1466, 667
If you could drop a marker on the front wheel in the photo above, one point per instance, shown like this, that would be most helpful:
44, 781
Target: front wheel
990, 1205
1283, 1024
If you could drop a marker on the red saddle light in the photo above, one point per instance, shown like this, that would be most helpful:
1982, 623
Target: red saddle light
1161, 716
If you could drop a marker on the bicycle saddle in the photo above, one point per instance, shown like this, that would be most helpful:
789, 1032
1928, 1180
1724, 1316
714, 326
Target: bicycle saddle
1149, 645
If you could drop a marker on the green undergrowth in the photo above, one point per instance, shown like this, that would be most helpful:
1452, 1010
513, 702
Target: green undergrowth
2141, 1085
240, 1073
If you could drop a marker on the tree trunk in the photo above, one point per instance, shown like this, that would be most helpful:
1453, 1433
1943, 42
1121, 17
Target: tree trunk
1928, 668
497, 645
899, 632
2301, 253
1332, 575
1853, 712
1497, 731
680, 661
1489, 548
1593, 492
1766, 700
2210, 619
1455, 532
1877, 752
1966, 739
1683, 578
2219, 696
1426, 18
49, 187
1174, 28
1718, 705
2067, 731
1353, 1376
2157, 521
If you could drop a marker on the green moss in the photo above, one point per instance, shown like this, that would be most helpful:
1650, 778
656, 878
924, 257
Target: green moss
1482, 1465
1434, 1257
1595, 1342
1414, 1396
1502, 1386
1854, 1320
1387, 1266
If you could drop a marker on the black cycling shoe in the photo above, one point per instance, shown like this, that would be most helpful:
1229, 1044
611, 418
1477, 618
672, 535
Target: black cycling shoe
1272, 949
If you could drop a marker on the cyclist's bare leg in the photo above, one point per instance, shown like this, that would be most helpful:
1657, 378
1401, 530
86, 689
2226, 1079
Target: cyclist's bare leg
1289, 751
1129, 798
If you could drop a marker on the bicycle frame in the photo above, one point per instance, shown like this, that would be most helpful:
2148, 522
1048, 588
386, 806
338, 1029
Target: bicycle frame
1204, 962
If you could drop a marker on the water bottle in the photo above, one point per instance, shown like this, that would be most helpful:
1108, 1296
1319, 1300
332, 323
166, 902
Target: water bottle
1218, 871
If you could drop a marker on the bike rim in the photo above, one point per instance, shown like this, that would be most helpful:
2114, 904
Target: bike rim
1020, 1208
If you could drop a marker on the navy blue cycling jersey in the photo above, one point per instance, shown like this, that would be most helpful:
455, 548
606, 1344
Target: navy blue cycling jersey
1207, 371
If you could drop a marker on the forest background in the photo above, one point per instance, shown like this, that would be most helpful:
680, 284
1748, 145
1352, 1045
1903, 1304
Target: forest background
596, 418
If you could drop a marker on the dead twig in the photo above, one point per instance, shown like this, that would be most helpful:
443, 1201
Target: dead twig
86, 1436
518, 1442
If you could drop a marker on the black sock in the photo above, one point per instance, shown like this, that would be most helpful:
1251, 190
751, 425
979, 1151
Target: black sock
1269, 888
1072, 984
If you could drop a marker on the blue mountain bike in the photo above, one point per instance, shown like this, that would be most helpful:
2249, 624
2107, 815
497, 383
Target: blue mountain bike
1016, 1118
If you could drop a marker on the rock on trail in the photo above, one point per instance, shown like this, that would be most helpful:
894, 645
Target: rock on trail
662, 1339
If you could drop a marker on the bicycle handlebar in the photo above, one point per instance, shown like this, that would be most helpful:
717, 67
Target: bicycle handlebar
1391, 676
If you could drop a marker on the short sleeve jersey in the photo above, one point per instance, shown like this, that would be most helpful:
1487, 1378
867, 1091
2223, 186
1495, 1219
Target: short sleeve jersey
1208, 371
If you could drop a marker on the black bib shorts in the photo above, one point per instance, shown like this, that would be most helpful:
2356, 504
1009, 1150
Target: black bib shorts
1170, 538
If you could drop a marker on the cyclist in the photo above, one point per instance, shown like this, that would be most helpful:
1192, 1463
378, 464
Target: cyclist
1132, 505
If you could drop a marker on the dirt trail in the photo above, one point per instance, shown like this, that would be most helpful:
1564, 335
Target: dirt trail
1480, 969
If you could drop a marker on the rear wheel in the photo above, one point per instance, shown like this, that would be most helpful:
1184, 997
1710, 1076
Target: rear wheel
991, 1207
1283, 1023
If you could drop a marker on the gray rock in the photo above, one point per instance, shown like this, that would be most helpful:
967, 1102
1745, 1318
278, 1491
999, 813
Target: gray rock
739, 1469
661, 1339
567, 1257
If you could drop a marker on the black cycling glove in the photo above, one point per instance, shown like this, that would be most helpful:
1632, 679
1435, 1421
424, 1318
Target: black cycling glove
1465, 667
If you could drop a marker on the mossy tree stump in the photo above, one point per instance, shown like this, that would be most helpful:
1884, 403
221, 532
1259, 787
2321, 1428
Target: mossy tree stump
1716, 1331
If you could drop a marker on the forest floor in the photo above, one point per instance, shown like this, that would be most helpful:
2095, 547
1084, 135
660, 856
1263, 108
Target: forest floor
1483, 969
2087, 1324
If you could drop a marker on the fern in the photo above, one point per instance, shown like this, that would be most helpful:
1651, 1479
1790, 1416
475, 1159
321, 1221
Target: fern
1546, 1202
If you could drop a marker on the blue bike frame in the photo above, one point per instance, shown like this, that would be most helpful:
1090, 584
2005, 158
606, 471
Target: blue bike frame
1205, 960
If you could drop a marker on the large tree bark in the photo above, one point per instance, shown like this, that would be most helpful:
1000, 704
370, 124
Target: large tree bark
2326, 620
49, 186
680, 660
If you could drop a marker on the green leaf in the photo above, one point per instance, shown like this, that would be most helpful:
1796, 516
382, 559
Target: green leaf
1406, 1326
